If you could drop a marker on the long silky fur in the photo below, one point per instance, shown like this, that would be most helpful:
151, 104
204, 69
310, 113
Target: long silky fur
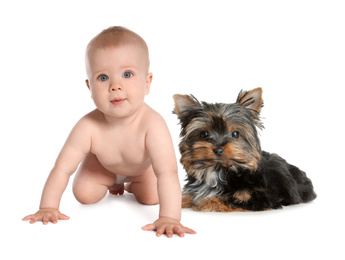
244, 177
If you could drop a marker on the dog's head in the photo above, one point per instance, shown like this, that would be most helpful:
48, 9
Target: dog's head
220, 134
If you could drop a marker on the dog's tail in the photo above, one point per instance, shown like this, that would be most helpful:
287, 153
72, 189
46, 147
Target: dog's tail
305, 186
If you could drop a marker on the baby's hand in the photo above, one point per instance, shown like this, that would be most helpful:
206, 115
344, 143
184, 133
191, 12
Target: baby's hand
169, 226
46, 215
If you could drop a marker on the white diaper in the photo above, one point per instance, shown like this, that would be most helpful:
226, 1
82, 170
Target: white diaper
122, 179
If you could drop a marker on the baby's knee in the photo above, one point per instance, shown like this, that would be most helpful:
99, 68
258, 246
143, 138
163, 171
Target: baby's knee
148, 200
85, 197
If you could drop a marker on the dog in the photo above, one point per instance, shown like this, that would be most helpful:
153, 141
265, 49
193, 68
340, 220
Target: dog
226, 169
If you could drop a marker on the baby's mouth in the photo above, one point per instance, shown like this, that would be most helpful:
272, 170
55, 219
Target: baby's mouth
118, 101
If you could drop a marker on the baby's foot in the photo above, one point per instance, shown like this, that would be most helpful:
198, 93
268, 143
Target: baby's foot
117, 189
128, 187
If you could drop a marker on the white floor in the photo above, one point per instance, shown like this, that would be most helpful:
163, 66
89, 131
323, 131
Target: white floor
111, 229
294, 50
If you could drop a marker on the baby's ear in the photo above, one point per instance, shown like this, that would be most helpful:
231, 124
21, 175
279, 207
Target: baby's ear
251, 99
184, 103
87, 84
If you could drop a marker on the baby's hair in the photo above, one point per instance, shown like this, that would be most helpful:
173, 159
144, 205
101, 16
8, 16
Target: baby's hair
116, 36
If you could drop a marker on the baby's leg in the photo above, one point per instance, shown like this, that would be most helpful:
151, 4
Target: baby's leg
92, 180
144, 187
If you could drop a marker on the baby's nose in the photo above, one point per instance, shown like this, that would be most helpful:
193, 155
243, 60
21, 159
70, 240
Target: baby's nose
115, 87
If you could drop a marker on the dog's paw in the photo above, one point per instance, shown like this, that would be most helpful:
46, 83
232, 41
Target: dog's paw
215, 204
187, 201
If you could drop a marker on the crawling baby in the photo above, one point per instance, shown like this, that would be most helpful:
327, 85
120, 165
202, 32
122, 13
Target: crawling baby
123, 139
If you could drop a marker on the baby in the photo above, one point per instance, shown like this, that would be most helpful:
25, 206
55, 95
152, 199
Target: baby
122, 140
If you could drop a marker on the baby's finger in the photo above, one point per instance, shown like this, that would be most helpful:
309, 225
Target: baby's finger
45, 220
188, 230
160, 231
169, 231
149, 227
63, 217
53, 219
34, 219
178, 231
28, 217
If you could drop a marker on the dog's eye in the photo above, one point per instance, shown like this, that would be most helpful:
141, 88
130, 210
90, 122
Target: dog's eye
203, 134
235, 134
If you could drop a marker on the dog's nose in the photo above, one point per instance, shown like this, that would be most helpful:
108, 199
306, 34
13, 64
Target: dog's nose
218, 151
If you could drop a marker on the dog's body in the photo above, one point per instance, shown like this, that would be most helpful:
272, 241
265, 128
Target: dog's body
227, 171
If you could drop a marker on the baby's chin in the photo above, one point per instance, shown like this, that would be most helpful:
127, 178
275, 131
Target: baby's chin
122, 110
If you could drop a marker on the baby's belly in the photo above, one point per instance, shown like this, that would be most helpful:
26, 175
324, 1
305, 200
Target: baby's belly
125, 167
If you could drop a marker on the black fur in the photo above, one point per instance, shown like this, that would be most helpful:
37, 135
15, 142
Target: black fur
223, 164
275, 184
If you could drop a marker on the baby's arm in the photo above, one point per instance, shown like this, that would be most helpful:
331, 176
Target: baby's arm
77, 145
161, 151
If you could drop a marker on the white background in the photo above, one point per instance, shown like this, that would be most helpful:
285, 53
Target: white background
212, 49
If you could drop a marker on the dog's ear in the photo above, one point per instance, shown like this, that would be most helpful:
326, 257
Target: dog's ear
184, 103
251, 99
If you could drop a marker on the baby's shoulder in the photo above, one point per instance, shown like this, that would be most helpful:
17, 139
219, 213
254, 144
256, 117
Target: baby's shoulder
153, 122
89, 121
152, 117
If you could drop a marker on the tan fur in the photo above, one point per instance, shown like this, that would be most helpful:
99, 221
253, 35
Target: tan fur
187, 201
245, 98
215, 204
182, 101
242, 196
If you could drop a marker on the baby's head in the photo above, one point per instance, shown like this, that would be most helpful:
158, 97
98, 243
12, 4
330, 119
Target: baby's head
118, 36
117, 67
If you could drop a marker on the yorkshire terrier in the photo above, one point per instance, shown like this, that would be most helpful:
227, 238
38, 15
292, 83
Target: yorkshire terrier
226, 168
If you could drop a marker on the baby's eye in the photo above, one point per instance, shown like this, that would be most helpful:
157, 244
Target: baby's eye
103, 78
127, 75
